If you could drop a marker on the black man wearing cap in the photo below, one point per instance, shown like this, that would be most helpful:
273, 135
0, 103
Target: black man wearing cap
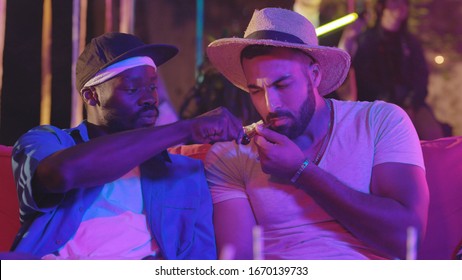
107, 189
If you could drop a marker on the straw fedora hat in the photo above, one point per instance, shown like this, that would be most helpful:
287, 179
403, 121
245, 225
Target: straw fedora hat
280, 28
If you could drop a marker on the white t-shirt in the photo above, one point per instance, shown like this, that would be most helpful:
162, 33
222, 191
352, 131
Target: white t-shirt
294, 225
114, 226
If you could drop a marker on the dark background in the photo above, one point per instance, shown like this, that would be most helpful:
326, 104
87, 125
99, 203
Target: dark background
162, 21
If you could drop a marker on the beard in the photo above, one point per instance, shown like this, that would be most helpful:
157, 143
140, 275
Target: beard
297, 124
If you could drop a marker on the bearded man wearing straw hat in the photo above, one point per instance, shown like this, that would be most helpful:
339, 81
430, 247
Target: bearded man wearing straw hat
324, 179
107, 189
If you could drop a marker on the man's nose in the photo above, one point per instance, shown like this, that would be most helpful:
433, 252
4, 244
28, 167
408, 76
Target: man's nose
273, 100
149, 96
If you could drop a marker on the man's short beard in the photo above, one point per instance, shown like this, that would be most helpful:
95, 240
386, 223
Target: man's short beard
115, 125
299, 124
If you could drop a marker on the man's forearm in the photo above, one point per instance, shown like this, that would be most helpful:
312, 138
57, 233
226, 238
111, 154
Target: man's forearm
106, 158
377, 220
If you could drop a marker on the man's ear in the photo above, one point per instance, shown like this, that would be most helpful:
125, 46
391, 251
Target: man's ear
90, 96
315, 73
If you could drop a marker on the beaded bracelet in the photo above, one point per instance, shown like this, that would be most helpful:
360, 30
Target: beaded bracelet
300, 170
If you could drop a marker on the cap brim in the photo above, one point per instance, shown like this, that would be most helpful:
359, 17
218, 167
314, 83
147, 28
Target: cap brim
225, 55
159, 53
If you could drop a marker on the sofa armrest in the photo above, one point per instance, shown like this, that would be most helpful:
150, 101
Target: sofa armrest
443, 162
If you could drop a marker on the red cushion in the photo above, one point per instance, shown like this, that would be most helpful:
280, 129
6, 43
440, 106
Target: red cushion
197, 151
9, 210
443, 161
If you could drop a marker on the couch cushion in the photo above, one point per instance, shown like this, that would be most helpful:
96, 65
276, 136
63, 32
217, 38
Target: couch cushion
9, 210
197, 151
443, 161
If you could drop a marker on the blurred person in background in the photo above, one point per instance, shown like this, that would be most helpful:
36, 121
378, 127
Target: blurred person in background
388, 64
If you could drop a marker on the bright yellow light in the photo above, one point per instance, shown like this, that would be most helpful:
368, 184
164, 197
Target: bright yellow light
340, 22
439, 59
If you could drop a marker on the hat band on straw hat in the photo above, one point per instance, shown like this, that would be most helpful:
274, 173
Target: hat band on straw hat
275, 35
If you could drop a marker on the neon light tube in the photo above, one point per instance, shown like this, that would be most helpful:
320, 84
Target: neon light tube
335, 24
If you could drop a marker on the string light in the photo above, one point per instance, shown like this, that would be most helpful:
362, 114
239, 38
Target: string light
439, 59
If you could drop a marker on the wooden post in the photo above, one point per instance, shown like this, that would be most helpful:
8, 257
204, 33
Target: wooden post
45, 102
79, 27
2, 43
351, 6
108, 16
127, 16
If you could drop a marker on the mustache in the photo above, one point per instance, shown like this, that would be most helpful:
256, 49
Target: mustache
278, 114
149, 107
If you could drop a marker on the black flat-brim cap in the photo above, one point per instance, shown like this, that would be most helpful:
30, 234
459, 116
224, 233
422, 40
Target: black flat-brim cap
112, 47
